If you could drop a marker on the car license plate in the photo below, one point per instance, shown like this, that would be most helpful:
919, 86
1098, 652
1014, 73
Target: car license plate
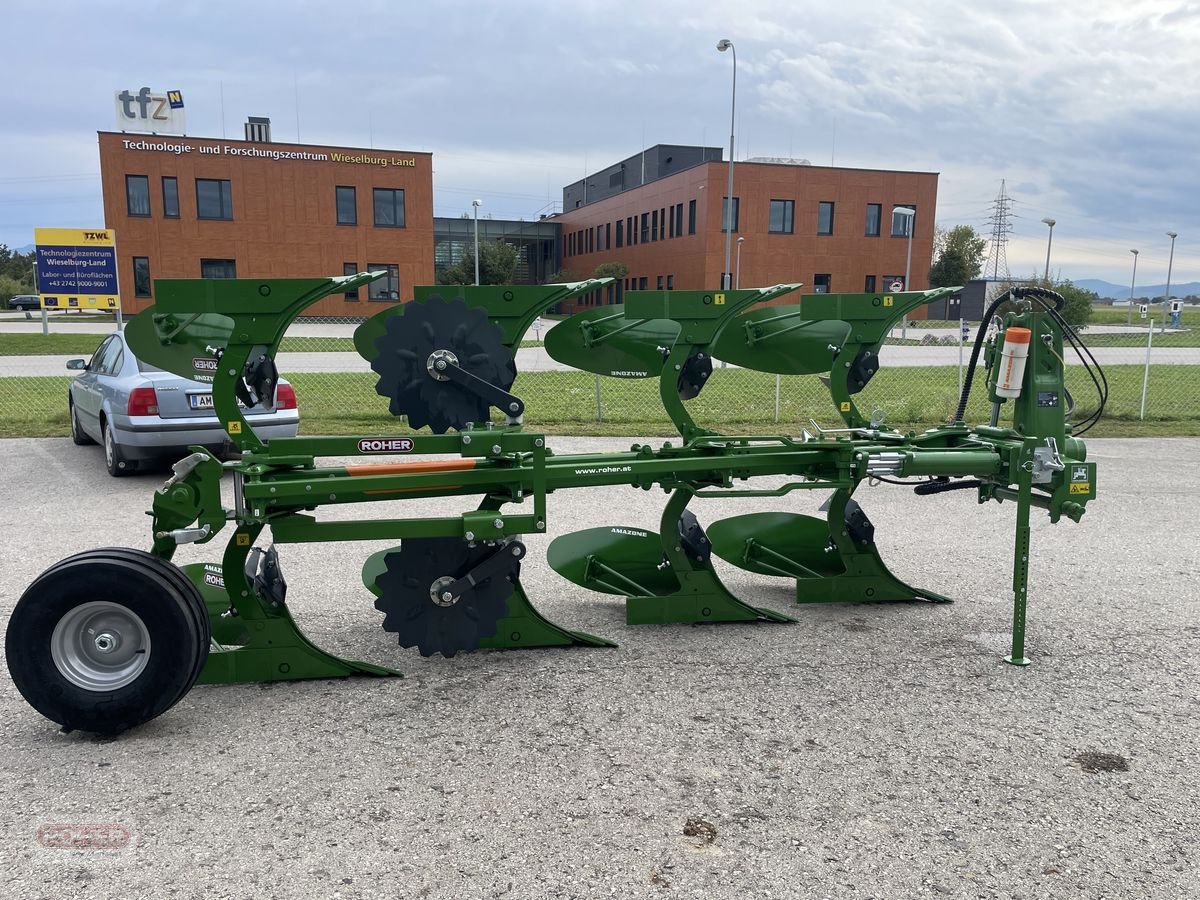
205, 401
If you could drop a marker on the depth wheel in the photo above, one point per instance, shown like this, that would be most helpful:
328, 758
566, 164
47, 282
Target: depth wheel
448, 330
106, 640
417, 610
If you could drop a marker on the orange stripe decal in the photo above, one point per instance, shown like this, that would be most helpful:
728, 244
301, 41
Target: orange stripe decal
417, 467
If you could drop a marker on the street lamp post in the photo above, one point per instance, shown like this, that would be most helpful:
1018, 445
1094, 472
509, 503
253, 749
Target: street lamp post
911, 215
1132, 282
1167, 300
737, 281
476, 204
723, 45
1049, 241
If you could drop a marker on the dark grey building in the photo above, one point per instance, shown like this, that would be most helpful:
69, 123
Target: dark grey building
651, 164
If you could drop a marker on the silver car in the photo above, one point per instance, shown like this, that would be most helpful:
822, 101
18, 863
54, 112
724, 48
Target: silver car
141, 414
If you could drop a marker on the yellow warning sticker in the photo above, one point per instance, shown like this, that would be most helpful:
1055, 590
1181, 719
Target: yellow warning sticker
1081, 487
718, 299
234, 428
845, 407
243, 540
887, 301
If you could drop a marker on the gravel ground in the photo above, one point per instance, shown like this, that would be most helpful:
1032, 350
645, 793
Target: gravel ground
878, 751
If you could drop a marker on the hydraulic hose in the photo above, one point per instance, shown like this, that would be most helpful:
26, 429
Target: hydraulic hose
1013, 294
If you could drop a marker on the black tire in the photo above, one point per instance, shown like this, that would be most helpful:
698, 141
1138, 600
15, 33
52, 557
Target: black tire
155, 625
78, 435
197, 605
114, 457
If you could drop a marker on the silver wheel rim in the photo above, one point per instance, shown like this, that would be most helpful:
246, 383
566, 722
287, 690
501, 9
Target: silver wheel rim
74, 420
100, 646
108, 446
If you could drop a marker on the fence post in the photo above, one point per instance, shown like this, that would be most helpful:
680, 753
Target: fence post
1146, 374
599, 405
777, 380
45, 321
961, 337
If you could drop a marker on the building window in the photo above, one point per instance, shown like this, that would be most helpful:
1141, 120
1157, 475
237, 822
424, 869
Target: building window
822, 284
645, 227
678, 220
350, 269
642, 283
608, 235
385, 289
630, 231
874, 218
670, 225
725, 213
869, 285
347, 205
902, 223
389, 209
782, 219
620, 234
213, 199
654, 225
662, 223
141, 276
659, 285
825, 217
170, 188
218, 268
691, 217
137, 194
671, 281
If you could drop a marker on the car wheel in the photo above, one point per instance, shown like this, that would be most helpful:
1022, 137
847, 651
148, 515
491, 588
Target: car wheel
106, 640
78, 435
114, 459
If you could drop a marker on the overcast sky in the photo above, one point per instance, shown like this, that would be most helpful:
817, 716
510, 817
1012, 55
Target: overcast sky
1089, 108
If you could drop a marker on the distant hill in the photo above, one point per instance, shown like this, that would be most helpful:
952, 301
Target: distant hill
1118, 292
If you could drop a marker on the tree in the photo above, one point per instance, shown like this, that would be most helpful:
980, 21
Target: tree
611, 270
562, 276
1077, 305
497, 265
17, 266
9, 288
1078, 308
960, 252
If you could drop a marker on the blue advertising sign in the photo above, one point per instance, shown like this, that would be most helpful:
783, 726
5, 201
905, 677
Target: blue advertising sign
76, 268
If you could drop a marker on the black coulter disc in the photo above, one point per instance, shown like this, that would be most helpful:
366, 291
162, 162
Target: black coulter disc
410, 611
453, 327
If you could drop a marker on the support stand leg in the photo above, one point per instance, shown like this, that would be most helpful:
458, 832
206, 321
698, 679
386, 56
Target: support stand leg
1021, 574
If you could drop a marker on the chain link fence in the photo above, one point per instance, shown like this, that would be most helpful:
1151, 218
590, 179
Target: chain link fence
1153, 383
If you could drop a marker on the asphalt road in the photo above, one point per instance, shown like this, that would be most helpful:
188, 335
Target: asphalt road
536, 359
877, 751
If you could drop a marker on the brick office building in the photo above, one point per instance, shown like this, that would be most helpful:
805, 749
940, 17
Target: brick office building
661, 214
186, 207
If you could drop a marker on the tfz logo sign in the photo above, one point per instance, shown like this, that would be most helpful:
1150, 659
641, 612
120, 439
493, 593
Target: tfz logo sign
150, 106
156, 113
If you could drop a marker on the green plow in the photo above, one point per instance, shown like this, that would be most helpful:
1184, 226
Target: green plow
446, 368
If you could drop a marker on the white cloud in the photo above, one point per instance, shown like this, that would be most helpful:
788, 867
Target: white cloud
1087, 108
